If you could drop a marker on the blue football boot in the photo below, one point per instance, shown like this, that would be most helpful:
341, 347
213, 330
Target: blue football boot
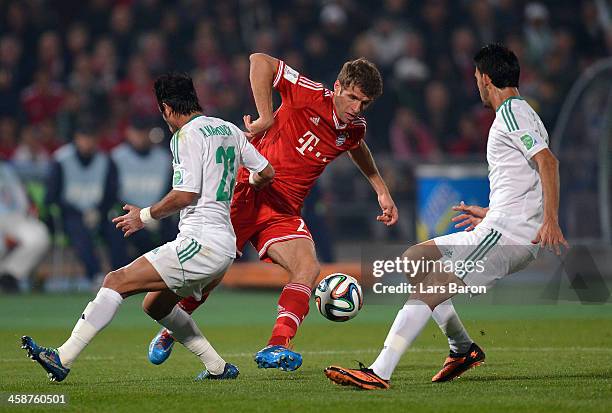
230, 372
161, 347
48, 358
278, 357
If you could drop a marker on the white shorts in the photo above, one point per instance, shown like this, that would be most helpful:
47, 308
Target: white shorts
483, 256
187, 267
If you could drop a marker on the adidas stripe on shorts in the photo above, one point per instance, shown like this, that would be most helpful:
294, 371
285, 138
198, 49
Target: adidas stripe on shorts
497, 255
187, 266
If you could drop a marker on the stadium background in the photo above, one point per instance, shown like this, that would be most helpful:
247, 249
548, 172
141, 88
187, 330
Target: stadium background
66, 65
65, 61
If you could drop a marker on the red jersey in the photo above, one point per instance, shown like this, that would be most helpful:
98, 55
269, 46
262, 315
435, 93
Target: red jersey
305, 137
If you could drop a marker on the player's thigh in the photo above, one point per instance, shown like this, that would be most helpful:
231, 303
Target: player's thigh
298, 257
136, 277
434, 288
434, 253
277, 228
244, 215
424, 252
158, 304
244, 230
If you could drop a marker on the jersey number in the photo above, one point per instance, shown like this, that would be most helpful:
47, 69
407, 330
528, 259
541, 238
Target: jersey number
301, 227
226, 157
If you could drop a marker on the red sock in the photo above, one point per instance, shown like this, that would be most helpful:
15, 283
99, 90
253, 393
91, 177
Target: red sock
293, 305
189, 304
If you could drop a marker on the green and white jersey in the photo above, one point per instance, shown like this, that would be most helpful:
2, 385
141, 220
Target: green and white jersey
206, 155
515, 201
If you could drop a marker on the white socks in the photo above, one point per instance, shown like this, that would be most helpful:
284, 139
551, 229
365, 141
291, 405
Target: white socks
408, 324
99, 313
94, 318
186, 332
450, 324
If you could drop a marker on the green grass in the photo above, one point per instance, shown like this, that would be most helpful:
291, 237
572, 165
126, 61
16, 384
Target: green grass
539, 359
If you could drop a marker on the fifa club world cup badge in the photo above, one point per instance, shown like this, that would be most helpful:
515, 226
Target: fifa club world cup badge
340, 139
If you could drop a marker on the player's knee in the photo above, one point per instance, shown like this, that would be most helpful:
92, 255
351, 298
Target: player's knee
156, 310
426, 299
148, 308
316, 270
413, 252
307, 274
425, 251
114, 280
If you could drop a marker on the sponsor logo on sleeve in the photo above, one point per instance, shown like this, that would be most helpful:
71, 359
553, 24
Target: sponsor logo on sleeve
177, 178
528, 141
290, 74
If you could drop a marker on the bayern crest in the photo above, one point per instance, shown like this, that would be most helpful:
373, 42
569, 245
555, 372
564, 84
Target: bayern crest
340, 139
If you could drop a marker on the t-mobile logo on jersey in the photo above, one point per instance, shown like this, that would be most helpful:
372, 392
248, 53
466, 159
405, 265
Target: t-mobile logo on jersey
308, 142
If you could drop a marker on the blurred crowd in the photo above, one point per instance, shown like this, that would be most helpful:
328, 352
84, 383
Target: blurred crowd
76, 78
61, 59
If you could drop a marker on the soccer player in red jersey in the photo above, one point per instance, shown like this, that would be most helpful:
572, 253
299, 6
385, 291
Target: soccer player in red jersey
311, 128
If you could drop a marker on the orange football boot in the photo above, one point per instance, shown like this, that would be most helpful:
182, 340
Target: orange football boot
363, 377
456, 364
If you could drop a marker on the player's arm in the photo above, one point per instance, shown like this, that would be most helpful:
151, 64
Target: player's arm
550, 233
261, 75
362, 157
533, 144
172, 203
136, 218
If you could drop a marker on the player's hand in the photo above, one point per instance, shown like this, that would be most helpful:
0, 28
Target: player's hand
130, 222
258, 182
475, 210
389, 210
257, 126
472, 216
551, 237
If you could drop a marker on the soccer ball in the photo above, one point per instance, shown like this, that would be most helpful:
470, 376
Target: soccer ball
339, 297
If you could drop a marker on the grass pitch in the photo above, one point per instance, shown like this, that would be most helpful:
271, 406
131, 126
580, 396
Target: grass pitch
555, 358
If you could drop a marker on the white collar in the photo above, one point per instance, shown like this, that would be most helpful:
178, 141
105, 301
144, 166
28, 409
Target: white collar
337, 122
